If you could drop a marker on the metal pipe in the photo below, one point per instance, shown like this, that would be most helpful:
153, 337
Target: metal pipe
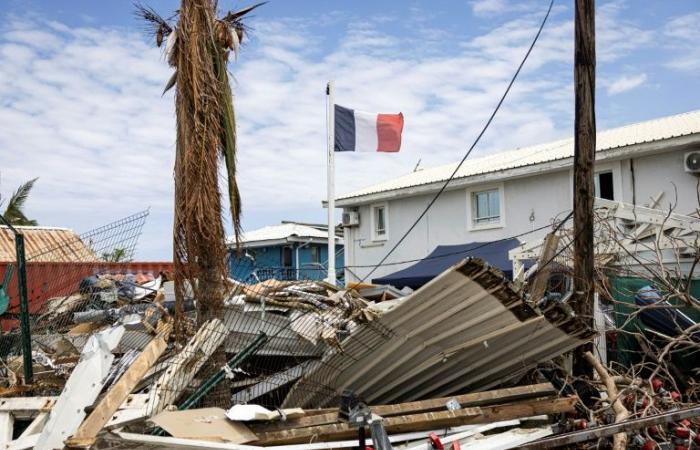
614, 428
24, 309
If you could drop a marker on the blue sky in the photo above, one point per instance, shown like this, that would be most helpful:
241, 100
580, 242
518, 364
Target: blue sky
80, 103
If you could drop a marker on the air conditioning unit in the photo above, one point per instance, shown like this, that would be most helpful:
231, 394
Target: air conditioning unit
351, 219
692, 162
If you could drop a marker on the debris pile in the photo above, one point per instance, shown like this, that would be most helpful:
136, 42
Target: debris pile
463, 361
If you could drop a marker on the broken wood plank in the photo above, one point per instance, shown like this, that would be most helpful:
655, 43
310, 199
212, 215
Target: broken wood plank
424, 421
151, 441
546, 262
185, 366
26, 407
467, 400
109, 404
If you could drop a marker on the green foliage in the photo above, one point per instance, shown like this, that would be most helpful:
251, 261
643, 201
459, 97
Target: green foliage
14, 212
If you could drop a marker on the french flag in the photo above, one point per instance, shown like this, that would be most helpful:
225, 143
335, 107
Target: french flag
359, 131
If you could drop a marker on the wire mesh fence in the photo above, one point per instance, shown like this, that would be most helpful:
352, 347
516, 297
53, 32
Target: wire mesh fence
271, 330
71, 278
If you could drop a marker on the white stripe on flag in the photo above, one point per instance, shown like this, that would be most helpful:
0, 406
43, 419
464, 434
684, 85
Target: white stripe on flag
366, 139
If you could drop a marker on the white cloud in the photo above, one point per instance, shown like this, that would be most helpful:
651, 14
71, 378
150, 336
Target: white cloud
682, 36
81, 109
617, 36
626, 83
485, 8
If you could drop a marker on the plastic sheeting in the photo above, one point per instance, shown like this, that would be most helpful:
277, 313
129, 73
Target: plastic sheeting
445, 256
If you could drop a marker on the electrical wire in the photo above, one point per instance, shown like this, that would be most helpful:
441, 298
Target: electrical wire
469, 151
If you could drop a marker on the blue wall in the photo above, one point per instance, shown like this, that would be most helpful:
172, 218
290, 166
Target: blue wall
267, 263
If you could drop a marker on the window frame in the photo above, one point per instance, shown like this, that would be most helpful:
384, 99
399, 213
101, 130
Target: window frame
472, 192
596, 183
285, 249
315, 250
376, 237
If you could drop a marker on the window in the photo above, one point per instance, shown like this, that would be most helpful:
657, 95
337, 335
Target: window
379, 222
486, 207
315, 254
287, 256
603, 182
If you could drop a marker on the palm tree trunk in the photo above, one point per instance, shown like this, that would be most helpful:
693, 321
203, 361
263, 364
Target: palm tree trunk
199, 242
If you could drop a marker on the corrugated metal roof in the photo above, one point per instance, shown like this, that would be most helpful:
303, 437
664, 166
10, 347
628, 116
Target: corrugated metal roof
283, 232
46, 244
466, 330
638, 133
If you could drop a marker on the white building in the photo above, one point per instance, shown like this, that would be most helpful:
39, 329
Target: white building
512, 192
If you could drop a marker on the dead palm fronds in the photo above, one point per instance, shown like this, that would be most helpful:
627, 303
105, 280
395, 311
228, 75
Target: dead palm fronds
197, 46
14, 212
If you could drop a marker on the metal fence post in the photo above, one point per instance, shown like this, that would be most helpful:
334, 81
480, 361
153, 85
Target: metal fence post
23, 303
24, 309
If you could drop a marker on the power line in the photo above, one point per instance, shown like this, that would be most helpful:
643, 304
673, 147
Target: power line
469, 151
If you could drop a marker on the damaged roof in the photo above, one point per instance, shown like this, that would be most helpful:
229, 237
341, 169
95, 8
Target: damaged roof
285, 232
639, 133
46, 244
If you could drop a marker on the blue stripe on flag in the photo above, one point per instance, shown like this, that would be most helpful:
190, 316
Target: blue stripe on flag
344, 129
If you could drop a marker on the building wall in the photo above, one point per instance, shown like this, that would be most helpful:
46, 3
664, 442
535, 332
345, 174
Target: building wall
527, 203
268, 262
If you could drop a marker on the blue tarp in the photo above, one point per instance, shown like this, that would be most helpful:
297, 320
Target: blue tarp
445, 256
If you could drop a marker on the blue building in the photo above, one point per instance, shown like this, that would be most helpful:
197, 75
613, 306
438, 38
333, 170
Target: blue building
289, 251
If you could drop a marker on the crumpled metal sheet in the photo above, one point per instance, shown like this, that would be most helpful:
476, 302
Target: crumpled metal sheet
466, 330
81, 389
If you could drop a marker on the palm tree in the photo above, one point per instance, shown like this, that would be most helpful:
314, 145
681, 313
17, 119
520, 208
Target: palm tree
198, 46
14, 212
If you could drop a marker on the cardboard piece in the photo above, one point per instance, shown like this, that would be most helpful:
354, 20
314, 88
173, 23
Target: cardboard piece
208, 424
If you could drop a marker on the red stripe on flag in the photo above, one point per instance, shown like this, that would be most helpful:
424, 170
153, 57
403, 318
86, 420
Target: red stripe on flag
389, 128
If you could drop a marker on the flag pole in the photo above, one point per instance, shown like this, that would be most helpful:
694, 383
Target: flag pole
330, 88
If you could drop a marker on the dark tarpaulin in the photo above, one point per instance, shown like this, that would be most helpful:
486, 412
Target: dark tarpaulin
444, 256
665, 318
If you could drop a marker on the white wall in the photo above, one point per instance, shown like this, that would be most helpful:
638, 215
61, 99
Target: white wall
544, 195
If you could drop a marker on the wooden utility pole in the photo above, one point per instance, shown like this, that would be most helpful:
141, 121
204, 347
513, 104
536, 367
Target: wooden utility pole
584, 156
584, 159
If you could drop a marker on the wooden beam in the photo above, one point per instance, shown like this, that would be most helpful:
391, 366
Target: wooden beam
436, 404
424, 421
546, 262
109, 404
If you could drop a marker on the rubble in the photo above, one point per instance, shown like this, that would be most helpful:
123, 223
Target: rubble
434, 366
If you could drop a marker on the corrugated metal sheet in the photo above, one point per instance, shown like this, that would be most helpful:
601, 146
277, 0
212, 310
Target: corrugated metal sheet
45, 244
466, 330
650, 131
